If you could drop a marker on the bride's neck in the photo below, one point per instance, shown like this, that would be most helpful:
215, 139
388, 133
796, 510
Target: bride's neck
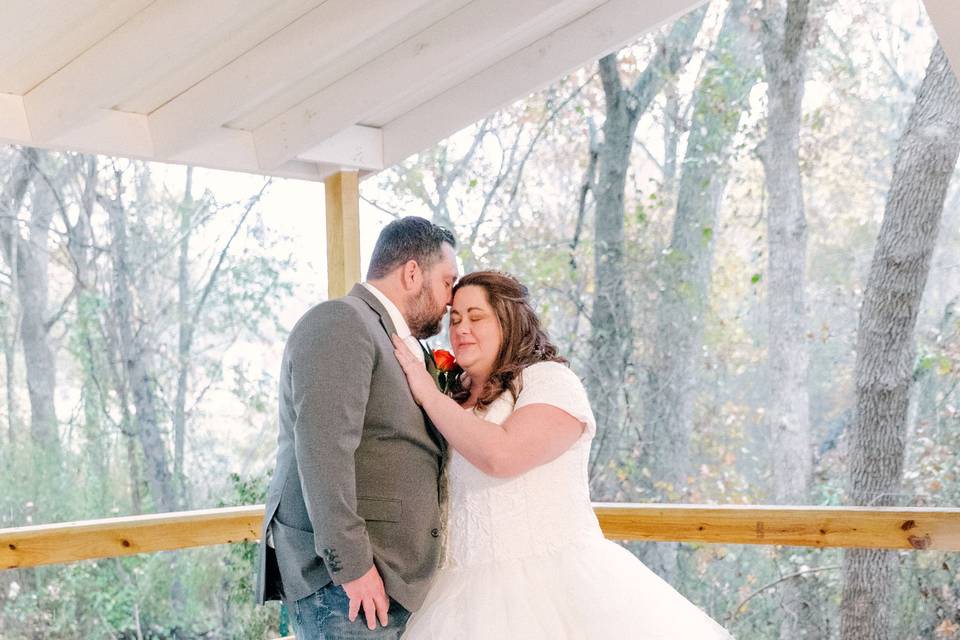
477, 380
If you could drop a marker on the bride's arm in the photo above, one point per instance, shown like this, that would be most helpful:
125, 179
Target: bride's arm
530, 437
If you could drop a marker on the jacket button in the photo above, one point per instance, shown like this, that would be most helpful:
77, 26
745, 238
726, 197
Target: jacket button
435, 533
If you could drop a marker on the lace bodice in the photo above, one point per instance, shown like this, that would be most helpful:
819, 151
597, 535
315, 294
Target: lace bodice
494, 519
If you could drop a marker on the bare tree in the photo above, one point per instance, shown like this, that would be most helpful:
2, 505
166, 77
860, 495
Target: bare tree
185, 334
28, 257
611, 334
718, 104
14, 193
136, 355
786, 31
190, 309
785, 37
926, 157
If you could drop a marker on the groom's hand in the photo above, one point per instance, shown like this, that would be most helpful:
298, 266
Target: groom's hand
367, 591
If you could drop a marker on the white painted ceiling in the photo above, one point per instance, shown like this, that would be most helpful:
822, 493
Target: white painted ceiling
298, 88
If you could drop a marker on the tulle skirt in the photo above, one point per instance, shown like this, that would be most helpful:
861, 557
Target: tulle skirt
590, 590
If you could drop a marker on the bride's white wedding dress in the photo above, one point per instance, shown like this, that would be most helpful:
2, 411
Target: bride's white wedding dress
525, 556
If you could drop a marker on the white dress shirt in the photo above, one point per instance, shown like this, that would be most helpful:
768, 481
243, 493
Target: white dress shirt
399, 322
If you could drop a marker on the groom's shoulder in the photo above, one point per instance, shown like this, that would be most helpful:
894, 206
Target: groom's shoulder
339, 312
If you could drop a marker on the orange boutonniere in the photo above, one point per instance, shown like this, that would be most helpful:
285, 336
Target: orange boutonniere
447, 369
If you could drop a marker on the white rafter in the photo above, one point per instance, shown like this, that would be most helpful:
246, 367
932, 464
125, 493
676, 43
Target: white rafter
116, 133
156, 39
475, 36
48, 34
599, 32
310, 43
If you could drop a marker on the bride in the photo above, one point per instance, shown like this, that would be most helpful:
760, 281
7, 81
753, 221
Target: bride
525, 557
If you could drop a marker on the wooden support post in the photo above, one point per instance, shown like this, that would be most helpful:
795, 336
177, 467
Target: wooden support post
343, 232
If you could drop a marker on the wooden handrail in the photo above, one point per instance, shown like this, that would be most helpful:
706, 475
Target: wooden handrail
861, 527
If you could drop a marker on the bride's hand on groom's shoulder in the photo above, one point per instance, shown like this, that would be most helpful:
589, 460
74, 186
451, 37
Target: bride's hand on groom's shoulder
420, 381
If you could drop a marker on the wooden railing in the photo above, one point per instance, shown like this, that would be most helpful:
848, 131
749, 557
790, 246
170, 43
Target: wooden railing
882, 528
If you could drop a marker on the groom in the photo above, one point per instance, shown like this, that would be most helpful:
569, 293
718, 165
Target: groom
352, 516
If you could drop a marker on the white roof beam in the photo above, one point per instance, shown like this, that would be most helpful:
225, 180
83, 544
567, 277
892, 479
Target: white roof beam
312, 42
126, 134
14, 128
599, 32
370, 49
356, 147
154, 40
219, 52
482, 31
58, 31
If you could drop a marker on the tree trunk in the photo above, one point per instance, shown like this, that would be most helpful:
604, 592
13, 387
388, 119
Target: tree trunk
135, 353
133, 469
184, 338
34, 331
926, 157
611, 333
14, 192
785, 36
28, 258
87, 342
719, 102
672, 130
785, 31
10, 387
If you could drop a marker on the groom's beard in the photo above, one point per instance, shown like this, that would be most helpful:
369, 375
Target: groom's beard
424, 319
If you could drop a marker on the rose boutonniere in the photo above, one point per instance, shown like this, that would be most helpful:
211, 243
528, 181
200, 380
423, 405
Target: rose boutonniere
447, 369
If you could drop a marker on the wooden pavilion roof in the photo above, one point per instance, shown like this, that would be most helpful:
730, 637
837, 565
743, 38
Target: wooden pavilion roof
298, 88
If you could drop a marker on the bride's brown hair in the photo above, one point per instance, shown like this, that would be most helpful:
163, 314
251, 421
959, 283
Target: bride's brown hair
523, 341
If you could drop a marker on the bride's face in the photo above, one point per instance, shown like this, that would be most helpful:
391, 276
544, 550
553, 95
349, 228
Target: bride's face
475, 333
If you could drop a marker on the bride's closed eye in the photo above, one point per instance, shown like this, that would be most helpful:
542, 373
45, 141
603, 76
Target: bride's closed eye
455, 317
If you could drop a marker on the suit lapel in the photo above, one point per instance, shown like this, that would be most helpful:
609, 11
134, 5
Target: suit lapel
360, 291
432, 368
428, 359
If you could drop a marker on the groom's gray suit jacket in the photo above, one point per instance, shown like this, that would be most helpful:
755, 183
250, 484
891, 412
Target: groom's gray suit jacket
356, 481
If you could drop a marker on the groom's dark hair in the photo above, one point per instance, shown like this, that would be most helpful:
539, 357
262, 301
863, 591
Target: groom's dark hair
409, 238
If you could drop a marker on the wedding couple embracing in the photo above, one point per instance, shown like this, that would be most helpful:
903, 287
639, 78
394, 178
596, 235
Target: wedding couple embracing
404, 507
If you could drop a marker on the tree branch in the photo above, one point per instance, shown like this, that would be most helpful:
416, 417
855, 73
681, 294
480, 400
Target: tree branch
223, 255
672, 54
770, 585
377, 205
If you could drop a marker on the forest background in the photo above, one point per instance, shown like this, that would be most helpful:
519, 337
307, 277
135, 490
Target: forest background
742, 229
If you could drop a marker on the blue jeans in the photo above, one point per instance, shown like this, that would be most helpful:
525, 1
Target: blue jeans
323, 616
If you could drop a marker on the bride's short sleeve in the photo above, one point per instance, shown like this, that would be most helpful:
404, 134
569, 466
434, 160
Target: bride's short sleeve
555, 384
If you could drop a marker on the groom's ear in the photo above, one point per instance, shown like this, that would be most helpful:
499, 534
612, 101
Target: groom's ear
412, 274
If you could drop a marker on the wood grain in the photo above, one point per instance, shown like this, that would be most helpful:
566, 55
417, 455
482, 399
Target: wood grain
885, 528
860, 527
113, 537
343, 232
